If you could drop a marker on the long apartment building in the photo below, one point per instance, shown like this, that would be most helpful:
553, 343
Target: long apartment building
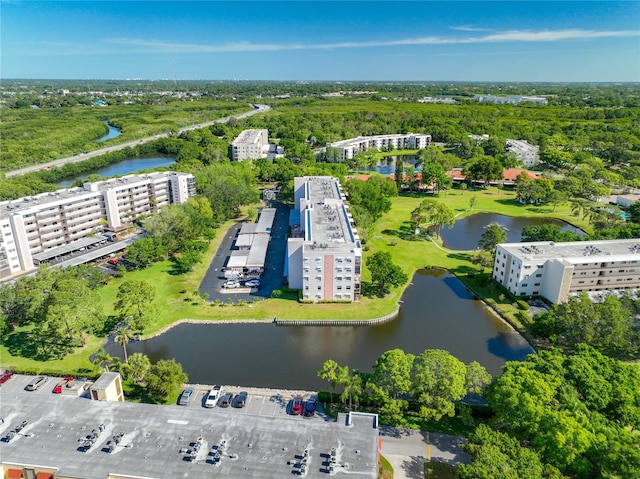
555, 270
250, 144
349, 148
40, 223
527, 153
324, 254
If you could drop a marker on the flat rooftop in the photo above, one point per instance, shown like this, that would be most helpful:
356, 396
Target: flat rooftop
157, 439
62, 196
248, 136
613, 250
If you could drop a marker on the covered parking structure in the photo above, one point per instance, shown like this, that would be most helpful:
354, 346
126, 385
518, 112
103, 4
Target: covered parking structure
68, 249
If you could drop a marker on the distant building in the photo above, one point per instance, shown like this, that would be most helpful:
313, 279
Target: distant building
107, 387
555, 270
250, 144
478, 139
37, 228
324, 254
511, 99
527, 153
349, 148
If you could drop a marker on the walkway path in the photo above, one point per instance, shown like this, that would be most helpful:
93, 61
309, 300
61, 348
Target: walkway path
122, 146
406, 450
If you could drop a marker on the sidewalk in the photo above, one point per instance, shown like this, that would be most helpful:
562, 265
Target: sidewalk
406, 450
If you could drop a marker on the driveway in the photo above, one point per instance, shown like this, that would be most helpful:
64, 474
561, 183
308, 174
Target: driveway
406, 450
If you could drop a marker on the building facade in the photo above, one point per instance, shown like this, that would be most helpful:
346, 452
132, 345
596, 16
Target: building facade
36, 224
250, 144
324, 254
555, 270
351, 147
527, 153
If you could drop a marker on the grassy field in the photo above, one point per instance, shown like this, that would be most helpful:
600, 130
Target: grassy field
177, 296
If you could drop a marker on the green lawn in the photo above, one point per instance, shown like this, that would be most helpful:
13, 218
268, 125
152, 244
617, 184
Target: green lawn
177, 297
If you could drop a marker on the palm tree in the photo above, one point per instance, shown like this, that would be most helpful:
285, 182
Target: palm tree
103, 359
122, 337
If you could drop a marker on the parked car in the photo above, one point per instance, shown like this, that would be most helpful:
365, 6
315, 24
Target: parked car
241, 399
58, 388
6, 376
296, 406
231, 284
225, 400
310, 407
113, 261
252, 283
36, 382
186, 396
212, 397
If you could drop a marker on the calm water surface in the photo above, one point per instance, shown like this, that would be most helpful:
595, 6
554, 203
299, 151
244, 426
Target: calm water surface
467, 231
113, 133
387, 166
123, 168
437, 313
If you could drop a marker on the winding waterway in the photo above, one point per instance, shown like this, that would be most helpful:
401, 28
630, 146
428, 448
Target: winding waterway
112, 133
123, 167
437, 312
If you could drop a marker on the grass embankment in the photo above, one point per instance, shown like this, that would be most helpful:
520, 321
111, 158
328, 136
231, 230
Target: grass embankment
177, 295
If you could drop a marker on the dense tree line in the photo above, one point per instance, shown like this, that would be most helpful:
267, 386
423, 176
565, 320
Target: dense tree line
60, 306
559, 415
427, 385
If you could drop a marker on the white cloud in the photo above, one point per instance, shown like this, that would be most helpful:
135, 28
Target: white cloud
467, 28
161, 46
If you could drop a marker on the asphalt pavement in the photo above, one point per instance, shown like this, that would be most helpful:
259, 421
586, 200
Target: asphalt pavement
406, 450
273, 276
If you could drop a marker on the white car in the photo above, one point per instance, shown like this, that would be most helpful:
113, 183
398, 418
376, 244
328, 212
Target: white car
252, 283
212, 397
231, 284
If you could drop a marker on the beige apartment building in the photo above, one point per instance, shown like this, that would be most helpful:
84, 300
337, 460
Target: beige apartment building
250, 144
351, 147
324, 254
556, 270
31, 228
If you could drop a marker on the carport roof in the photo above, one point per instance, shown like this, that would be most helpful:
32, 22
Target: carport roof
238, 259
68, 248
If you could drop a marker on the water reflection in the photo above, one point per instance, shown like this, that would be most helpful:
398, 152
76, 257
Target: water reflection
466, 232
437, 313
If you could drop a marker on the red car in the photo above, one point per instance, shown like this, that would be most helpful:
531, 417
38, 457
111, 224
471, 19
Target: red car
61, 384
5, 376
296, 406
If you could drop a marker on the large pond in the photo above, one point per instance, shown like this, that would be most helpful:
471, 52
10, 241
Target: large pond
437, 312
123, 168
466, 232
112, 133
387, 166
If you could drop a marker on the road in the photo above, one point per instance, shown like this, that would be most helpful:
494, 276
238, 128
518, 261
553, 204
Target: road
406, 450
122, 146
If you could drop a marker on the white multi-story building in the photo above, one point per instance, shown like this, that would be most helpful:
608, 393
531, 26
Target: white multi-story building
555, 270
324, 254
527, 153
250, 144
349, 148
40, 223
511, 99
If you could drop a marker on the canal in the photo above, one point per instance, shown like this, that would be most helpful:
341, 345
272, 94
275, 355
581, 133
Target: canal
112, 133
437, 312
123, 167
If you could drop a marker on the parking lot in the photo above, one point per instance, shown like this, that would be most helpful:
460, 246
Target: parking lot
271, 279
262, 402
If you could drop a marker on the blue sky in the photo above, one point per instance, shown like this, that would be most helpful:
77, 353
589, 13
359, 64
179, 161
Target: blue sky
305, 40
